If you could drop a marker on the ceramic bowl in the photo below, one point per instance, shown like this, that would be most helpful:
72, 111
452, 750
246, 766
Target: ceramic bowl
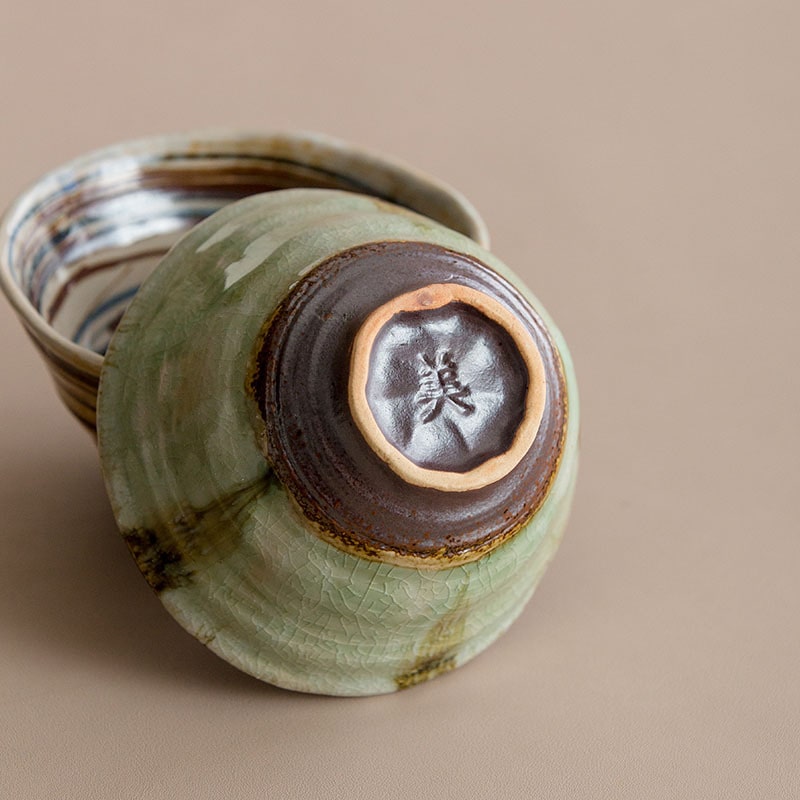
340, 437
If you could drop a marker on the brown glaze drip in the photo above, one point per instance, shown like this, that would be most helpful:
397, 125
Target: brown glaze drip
350, 496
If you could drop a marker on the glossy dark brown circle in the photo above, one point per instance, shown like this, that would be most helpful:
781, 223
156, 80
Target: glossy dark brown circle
350, 495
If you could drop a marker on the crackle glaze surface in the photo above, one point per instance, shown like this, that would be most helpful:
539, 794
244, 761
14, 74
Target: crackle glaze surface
214, 531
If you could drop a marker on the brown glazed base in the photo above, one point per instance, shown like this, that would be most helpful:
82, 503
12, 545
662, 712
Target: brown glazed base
349, 493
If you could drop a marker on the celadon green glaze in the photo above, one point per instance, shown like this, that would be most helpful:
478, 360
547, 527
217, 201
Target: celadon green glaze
215, 534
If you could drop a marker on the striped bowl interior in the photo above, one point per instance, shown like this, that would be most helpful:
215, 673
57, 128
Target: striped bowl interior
76, 247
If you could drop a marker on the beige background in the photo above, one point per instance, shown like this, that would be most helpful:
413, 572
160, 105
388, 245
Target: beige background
638, 163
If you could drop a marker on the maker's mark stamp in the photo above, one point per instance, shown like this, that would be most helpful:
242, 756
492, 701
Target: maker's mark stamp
438, 385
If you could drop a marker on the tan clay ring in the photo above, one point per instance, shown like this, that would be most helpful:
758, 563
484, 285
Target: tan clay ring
428, 298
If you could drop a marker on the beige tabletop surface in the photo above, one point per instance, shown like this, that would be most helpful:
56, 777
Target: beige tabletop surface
638, 163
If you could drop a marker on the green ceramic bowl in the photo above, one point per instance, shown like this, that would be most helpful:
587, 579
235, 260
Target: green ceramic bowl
339, 436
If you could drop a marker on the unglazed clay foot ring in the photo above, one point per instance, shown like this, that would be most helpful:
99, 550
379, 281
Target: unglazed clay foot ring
481, 407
